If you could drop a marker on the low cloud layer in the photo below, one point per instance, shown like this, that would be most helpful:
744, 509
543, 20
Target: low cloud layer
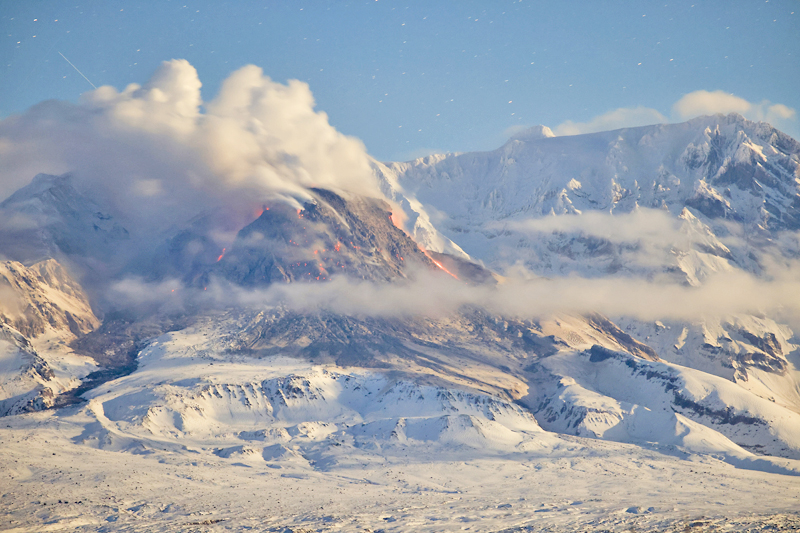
158, 155
655, 296
437, 295
651, 237
646, 225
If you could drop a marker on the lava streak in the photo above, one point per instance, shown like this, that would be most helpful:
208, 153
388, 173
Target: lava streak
435, 262
221, 255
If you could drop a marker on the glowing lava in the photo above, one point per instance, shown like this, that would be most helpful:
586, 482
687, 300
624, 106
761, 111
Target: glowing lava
435, 262
221, 255
398, 218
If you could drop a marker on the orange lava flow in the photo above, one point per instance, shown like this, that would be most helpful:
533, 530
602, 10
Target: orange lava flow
435, 262
221, 255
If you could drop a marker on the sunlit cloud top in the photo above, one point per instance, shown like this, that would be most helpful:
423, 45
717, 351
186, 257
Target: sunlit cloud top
415, 77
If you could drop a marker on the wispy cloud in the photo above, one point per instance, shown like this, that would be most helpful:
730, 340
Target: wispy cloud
650, 225
693, 104
699, 103
624, 117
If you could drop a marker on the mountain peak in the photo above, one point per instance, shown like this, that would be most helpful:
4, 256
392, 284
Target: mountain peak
40, 184
50, 218
328, 237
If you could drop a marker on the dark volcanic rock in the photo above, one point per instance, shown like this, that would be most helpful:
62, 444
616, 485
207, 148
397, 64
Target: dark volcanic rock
330, 236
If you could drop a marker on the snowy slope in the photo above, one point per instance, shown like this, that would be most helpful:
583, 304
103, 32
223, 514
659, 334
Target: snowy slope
723, 168
42, 309
606, 394
185, 392
757, 352
41, 297
49, 218
25, 378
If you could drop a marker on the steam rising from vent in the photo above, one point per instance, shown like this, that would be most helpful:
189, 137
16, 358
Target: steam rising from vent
155, 155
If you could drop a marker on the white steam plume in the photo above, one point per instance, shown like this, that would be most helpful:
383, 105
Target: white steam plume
153, 154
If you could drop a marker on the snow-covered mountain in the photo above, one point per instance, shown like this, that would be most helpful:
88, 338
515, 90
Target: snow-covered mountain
51, 219
216, 357
677, 202
704, 173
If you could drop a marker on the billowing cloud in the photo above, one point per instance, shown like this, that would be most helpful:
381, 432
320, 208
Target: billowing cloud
257, 130
168, 103
699, 103
624, 117
158, 156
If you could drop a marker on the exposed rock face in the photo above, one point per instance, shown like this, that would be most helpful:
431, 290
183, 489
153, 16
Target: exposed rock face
329, 237
725, 347
187, 255
37, 301
631, 345
43, 296
25, 378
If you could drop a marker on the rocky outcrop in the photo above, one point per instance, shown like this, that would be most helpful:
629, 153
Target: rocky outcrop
40, 301
41, 297
329, 236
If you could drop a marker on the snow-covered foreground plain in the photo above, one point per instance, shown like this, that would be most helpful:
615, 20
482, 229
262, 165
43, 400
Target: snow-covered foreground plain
198, 440
50, 483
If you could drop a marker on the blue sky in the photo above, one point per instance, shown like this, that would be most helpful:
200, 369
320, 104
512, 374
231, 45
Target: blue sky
409, 78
